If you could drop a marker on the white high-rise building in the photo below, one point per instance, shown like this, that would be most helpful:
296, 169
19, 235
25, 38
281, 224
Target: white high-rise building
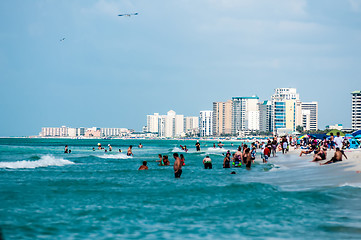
153, 123
312, 109
306, 119
356, 110
179, 125
245, 114
170, 125
205, 123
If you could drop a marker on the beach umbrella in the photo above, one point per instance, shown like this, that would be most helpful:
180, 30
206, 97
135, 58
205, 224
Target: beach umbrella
304, 136
358, 136
356, 133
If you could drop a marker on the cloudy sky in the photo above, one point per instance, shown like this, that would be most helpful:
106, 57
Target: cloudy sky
112, 71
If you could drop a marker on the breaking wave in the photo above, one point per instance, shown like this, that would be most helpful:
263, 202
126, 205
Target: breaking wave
44, 161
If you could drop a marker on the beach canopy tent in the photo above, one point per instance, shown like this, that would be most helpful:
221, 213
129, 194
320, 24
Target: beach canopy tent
354, 143
335, 131
348, 136
358, 132
358, 136
318, 135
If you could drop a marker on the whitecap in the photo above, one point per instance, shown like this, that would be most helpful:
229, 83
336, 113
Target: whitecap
44, 161
114, 156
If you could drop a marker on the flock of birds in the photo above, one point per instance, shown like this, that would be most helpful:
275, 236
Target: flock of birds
120, 15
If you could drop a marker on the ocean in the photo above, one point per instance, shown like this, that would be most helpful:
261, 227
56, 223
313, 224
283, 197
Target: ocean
46, 194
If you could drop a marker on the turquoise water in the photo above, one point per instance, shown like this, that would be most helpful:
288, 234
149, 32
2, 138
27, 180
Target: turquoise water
45, 193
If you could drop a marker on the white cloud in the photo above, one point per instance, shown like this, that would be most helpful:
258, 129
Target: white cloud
293, 7
355, 5
109, 8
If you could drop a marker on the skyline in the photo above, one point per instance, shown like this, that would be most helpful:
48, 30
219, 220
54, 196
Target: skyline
112, 71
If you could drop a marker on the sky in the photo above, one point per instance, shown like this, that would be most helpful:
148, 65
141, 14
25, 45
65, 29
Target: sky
182, 55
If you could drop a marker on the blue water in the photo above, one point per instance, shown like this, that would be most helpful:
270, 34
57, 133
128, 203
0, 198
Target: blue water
87, 194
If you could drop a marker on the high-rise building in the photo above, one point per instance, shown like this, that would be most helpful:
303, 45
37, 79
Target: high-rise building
286, 109
245, 114
311, 110
265, 113
54, 131
206, 123
170, 125
153, 122
191, 124
222, 118
356, 110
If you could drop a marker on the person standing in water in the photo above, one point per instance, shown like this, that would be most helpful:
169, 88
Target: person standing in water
140, 145
161, 163
207, 162
66, 149
110, 148
177, 166
226, 161
182, 159
247, 158
198, 146
129, 152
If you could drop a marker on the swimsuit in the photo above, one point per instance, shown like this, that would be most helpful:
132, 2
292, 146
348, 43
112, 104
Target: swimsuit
178, 173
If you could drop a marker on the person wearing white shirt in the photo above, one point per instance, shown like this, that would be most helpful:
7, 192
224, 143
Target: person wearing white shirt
338, 140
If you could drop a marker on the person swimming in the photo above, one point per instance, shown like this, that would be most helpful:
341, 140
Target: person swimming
144, 166
140, 145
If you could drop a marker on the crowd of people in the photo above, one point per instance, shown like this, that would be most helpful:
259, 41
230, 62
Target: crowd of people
245, 156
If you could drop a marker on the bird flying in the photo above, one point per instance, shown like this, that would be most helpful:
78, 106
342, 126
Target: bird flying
127, 14
62, 39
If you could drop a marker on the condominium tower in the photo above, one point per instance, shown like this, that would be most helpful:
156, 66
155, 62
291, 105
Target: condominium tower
356, 110
222, 118
310, 115
245, 114
206, 123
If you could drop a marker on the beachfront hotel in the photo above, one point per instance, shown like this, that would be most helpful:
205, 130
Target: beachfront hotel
65, 131
265, 112
171, 125
356, 110
310, 115
286, 110
245, 114
205, 123
222, 118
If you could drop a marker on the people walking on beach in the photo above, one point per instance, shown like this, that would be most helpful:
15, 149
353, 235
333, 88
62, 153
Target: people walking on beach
66, 150
274, 146
177, 166
284, 145
338, 140
207, 162
336, 158
144, 166
129, 152
182, 159
266, 153
332, 143
198, 146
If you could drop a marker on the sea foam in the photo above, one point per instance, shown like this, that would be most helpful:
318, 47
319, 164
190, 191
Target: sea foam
114, 156
44, 161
